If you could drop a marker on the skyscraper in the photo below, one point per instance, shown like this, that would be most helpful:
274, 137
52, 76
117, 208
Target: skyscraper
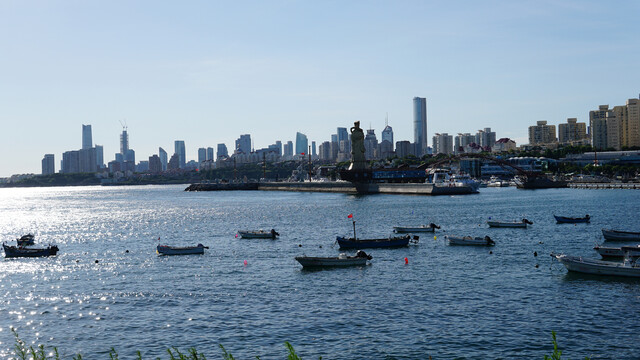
48, 164
210, 153
100, 156
163, 158
222, 151
87, 142
202, 155
443, 144
243, 144
302, 143
124, 142
420, 125
182, 155
313, 148
387, 135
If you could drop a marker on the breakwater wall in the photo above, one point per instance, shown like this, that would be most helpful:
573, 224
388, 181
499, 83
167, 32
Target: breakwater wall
605, 186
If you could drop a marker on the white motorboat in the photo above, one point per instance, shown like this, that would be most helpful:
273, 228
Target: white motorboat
468, 240
628, 268
608, 252
495, 181
335, 261
258, 234
514, 224
412, 229
617, 235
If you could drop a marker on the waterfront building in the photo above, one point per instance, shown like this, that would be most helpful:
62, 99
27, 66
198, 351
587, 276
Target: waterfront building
278, 145
503, 145
243, 144
324, 151
420, 125
485, 138
222, 151
604, 157
87, 160
443, 143
598, 126
370, 144
99, 156
632, 123
313, 149
461, 141
155, 164
302, 144
202, 155
174, 162
70, 162
143, 166
343, 135
542, 133
572, 131
48, 164
87, 141
288, 149
180, 150
130, 156
384, 150
162, 154
210, 153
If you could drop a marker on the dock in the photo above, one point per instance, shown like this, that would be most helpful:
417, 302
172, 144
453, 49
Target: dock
604, 185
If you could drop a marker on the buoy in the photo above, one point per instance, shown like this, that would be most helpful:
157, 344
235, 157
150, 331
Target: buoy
537, 265
236, 236
535, 253
320, 246
245, 263
490, 252
406, 261
127, 251
96, 261
435, 238
299, 245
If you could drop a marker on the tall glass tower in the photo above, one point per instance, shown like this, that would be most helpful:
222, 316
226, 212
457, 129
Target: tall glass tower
420, 125
180, 150
302, 143
87, 142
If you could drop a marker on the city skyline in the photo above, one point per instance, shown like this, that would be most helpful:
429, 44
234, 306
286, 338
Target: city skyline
206, 80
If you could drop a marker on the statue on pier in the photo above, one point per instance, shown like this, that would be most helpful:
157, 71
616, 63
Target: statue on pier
358, 161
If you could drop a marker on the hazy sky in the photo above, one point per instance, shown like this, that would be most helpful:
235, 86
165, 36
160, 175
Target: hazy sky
206, 72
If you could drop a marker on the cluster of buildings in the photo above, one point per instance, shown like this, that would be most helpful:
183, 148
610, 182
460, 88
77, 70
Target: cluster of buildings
608, 129
615, 128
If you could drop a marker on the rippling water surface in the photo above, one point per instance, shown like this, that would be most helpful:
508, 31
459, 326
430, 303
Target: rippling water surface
447, 302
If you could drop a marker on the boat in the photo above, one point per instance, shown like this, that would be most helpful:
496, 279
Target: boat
25, 240
19, 251
608, 252
515, 224
495, 181
572, 220
628, 268
258, 234
446, 183
185, 250
468, 240
390, 242
420, 228
334, 261
617, 235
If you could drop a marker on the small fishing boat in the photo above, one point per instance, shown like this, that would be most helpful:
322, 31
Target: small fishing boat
617, 235
412, 229
258, 234
19, 251
628, 268
185, 250
617, 252
515, 224
25, 240
468, 240
335, 261
572, 220
390, 242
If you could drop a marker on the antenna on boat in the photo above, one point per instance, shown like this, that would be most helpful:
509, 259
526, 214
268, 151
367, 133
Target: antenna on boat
354, 229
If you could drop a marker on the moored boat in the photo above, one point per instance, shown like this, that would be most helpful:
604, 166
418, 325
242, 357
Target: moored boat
572, 220
390, 242
468, 240
258, 234
628, 268
334, 261
184, 250
25, 240
617, 235
19, 251
608, 252
420, 228
505, 224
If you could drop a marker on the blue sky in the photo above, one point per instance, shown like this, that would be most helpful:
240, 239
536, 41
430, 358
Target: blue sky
206, 72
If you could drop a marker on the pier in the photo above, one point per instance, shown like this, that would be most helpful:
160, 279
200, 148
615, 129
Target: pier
604, 185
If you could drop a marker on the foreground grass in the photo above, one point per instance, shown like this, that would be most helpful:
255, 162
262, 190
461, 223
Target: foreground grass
23, 352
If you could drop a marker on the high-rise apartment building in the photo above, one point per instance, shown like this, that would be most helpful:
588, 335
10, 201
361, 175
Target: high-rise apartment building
222, 151
182, 153
461, 141
598, 126
100, 156
313, 148
485, 138
243, 144
48, 164
542, 133
202, 155
87, 140
443, 144
370, 144
302, 143
572, 131
164, 160
420, 125
632, 126
210, 154
288, 149
155, 165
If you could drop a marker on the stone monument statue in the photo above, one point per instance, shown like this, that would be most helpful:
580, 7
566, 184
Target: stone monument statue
358, 161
